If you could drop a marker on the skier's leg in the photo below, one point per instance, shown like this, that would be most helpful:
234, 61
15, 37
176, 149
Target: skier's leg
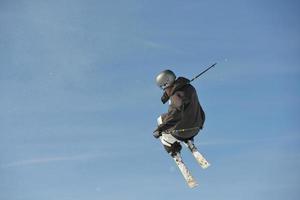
174, 149
170, 143
198, 156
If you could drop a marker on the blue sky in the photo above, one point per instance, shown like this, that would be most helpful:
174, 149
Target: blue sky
79, 102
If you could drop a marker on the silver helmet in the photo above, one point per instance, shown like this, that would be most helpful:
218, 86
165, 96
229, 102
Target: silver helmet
165, 79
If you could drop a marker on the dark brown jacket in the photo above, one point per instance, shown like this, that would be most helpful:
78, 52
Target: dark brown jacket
185, 111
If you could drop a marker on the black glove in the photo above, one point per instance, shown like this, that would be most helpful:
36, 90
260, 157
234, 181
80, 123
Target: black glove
156, 134
164, 98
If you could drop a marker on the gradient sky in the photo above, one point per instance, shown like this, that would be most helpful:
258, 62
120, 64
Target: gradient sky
79, 103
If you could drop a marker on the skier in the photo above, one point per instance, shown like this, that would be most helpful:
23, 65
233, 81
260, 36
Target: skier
182, 122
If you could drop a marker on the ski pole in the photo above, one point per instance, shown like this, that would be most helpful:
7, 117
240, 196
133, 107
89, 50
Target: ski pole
203, 72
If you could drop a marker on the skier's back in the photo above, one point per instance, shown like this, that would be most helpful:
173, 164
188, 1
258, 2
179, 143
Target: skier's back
185, 116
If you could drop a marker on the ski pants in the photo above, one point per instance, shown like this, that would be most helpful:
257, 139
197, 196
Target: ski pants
170, 143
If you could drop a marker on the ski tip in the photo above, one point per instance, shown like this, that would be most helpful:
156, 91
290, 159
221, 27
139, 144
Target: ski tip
205, 166
193, 184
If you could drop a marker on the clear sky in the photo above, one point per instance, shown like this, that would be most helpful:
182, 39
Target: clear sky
78, 101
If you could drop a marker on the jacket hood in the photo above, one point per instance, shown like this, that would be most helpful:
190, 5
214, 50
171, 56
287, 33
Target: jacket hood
179, 83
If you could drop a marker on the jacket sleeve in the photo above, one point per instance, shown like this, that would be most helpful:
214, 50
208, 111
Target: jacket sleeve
174, 113
164, 98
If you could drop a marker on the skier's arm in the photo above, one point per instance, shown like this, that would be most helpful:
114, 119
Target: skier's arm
169, 119
175, 111
164, 98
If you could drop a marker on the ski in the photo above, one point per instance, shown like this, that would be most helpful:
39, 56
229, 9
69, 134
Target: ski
198, 156
184, 171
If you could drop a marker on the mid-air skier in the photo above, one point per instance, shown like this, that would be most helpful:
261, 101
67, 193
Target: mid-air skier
182, 122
